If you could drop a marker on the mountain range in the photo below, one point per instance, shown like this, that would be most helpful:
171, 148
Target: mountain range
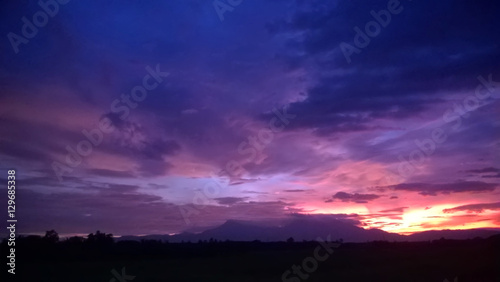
310, 229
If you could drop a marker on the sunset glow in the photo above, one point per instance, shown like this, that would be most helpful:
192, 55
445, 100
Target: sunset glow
159, 117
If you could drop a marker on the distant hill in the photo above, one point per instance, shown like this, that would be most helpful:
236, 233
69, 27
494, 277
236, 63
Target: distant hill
310, 229
453, 234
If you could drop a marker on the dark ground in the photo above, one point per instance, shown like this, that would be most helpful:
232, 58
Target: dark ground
467, 260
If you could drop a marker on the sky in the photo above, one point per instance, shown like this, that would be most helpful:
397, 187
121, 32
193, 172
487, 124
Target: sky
159, 117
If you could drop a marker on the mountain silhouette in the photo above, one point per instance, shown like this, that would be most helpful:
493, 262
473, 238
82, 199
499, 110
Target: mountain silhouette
309, 228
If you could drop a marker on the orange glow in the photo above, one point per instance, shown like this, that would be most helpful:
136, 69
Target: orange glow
414, 220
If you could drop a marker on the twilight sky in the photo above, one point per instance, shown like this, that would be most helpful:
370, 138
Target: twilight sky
161, 116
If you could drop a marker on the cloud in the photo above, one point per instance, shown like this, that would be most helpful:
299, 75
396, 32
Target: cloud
354, 198
491, 176
396, 210
125, 209
474, 208
428, 189
494, 170
484, 170
111, 173
229, 200
384, 82
189, 111
352, 219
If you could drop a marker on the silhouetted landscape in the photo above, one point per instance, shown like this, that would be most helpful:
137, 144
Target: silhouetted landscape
310, 228
411, 258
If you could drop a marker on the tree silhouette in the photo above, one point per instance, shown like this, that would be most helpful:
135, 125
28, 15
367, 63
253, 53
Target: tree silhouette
75, 240
100, 239
51, 236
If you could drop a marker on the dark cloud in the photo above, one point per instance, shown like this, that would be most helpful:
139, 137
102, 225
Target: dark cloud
230, 200
393, 77
158, 186
495, 171
352, 219
354, 198
484, 170
491, 176
428, 189
212, 215
111, 173
476, 208
396, 210
130, 211
18, 136
239, 181
121, 205
254, 192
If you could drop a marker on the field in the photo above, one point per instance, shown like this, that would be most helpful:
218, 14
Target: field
467, 260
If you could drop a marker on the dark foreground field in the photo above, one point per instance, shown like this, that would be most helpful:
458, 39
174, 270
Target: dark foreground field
466, 260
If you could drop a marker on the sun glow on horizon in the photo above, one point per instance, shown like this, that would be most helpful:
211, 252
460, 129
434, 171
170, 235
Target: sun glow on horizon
411, 220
